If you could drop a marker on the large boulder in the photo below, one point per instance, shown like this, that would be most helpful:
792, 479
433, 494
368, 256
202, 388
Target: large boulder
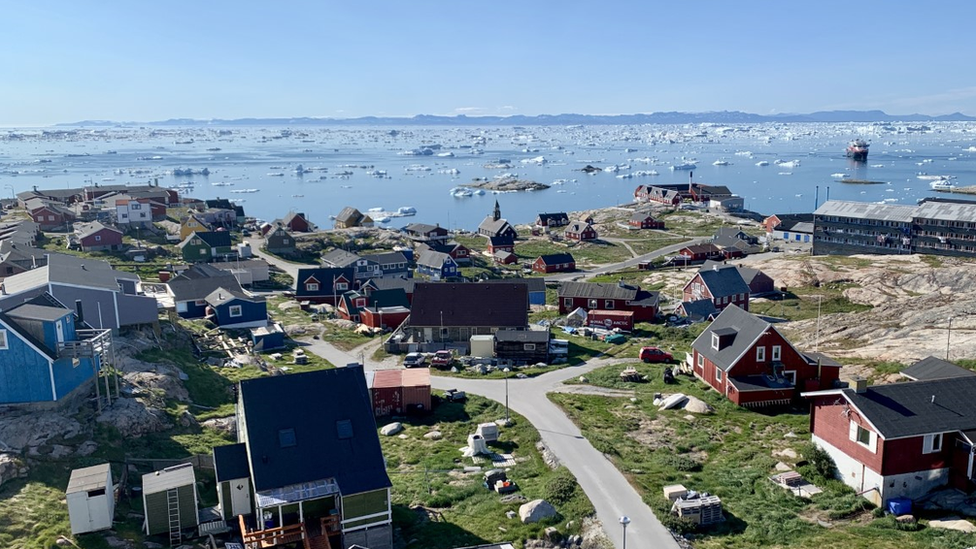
696, 405
133, 417
536, 510
391, 429
224, 425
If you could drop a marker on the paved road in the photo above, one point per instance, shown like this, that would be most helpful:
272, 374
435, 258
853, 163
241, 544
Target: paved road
609, 491
612, 496
623, 265
287, 266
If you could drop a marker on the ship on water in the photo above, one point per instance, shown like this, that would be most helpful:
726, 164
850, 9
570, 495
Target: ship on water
858, 150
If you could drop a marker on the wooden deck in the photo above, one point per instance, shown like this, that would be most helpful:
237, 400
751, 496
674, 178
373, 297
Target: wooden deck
269, 538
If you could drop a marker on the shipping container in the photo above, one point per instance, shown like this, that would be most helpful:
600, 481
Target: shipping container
416, 390
600, 318
387, 392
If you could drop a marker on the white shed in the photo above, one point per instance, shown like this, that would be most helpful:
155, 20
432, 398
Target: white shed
169, 499
91, 501
483, 345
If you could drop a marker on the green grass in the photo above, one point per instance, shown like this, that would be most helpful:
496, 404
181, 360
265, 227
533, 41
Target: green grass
729, 454
429, 473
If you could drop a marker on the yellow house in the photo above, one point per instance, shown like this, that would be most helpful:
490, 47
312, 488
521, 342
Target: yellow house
192, 224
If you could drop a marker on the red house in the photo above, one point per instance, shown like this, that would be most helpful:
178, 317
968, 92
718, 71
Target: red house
580, 231
383, 317
501, 244
722, 284
644, 220
746, 359
899, 440
94, 236
554, 263
296, 223
48, 215
503, 257
612, 297
701, 252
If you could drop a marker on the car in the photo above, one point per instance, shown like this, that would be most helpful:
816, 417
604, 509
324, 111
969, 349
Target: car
442, 359
453, 395
245, 232
414, 359
653, 354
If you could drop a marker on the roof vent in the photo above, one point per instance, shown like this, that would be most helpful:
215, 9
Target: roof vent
933, 399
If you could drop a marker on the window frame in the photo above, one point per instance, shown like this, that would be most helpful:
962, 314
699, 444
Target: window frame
4, 341
239, 309
761, 353
932, 443
777, 354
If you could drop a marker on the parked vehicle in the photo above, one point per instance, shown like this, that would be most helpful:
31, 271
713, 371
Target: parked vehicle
414, 360
453, 395
442, 359
653, 354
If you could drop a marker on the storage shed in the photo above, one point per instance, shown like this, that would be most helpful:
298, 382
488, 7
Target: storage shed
233, 478
91, 501
483, 345
268, 337
416, 390
387, 393
169, 500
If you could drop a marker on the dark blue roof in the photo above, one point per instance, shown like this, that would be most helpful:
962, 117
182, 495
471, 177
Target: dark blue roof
230, 462
311, 405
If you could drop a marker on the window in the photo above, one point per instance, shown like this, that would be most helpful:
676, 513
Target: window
701, 361
286, 438
203, 251
790, 376
594, 304
932, 443
125, 216
312, 287
3, 339
342, 286
50, 218
863, 436
760, 354
567, 302
718, 375
715, 341
135, 206
98, 238
200, 302
608, 304
777, 352
235, 311
529, 346
284, 241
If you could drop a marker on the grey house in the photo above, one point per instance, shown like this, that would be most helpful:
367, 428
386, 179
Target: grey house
103, 297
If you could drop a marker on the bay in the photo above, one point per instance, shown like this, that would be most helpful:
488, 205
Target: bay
319, 170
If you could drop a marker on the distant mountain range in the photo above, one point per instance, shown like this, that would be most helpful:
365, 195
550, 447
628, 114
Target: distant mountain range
721, 117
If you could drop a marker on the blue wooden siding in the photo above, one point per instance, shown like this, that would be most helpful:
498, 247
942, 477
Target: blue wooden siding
68, 376
250, 312
537, 298
24, 374
193, 310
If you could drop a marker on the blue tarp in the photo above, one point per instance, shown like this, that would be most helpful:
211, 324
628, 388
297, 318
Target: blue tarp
900, 506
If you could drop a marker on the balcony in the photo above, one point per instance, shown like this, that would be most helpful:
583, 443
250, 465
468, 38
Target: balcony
89, 344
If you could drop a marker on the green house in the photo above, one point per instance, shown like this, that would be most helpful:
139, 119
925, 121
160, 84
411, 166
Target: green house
206, 246
308, 465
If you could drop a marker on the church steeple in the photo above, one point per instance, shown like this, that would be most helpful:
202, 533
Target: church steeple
497, 213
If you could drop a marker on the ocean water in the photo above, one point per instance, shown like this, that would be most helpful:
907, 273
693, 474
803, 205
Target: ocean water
367, 168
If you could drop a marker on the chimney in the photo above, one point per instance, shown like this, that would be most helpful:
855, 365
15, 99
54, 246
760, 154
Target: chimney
79, 311
860, 385
715, 267
933, 399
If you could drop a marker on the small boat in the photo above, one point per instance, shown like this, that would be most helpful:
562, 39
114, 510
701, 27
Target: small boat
762, 163
721, 163
942, 185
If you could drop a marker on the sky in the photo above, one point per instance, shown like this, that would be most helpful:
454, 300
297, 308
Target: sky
66, 61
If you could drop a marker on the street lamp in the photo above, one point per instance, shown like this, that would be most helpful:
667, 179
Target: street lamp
948, 338
624, 521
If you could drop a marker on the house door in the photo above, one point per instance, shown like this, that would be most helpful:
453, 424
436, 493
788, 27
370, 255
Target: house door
240, 497
60, 329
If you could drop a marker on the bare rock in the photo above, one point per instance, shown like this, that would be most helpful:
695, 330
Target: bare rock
788, 453
19, 431
782, 467
547, 456
552, 535
87, 448
11, 467
511, 514
225, 425
286, 305
433, 435
953, 523
536, 510
133, 417
513, 498
391, 429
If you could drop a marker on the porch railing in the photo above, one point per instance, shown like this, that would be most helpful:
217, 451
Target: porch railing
272, 537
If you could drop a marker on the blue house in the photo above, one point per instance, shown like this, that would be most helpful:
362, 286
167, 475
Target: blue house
324, 284
436, 265
43, 356
235, 308
191, 287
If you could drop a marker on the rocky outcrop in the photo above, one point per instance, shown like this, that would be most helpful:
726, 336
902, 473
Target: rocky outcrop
21, 431
224, 425
507, 185
133, 417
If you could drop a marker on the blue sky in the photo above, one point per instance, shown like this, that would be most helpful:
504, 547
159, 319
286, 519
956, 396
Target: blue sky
65, 61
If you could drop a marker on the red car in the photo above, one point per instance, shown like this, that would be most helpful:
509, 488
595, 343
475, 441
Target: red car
653, 354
